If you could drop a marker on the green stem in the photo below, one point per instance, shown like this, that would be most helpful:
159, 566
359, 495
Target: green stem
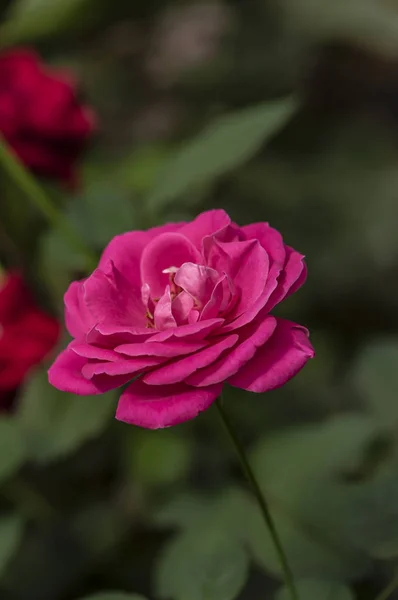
263, 505
390, 589
28, 185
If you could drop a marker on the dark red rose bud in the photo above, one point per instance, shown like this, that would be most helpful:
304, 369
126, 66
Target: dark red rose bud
40, 115
27, 335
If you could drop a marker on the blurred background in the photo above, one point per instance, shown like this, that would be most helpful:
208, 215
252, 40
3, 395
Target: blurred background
276, 110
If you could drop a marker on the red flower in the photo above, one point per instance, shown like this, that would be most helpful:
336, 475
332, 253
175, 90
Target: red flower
27, 334
40, 115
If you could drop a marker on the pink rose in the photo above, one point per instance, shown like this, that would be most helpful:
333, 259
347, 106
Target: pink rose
177, 311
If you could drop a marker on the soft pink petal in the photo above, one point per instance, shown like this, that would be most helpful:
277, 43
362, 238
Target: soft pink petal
156, 407
66, 375
171, 349
251, 338
165, 251
163, 315
221, 299
179, 370
78, 320
277, 361
111, 299
125, 250
182, 306
292, 277
197, 280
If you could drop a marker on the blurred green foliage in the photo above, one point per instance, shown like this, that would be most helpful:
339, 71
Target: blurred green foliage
277, 110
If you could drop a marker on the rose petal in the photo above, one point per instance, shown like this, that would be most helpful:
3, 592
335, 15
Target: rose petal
168, 349
179, 370
251, 338
156, 407
120, 367
111, 299
164, 251
277, 361
291, 279
197, 280
125, 250
163, 315
78, 319
66, 375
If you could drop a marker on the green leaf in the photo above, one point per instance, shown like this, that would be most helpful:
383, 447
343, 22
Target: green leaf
375, 376
102, 212
11, 532
301, 471
114, 596
158, 458
223, 145
312, 589
13, 450
56, 423
32, 19
202, 564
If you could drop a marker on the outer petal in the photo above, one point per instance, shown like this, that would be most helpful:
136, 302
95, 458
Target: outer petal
194, 331
111, 299
291, 279
277, 361
125, 250
121, 367
155, 407
252, 337
170, 349
78, 320
207, 223
66, 375
164, 251
179, 370
247, 264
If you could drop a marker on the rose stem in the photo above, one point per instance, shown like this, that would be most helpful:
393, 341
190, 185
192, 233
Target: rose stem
390, 589
27, 183
269, 521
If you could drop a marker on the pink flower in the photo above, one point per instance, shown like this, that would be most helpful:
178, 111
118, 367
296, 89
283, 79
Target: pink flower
177, 311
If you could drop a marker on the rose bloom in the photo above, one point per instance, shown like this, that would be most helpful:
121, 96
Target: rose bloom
41, 117
27, 335
177, 311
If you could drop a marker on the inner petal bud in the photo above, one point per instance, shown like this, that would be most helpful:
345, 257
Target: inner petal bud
198, 281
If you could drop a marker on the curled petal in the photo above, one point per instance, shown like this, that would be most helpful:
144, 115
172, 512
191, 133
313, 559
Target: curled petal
155, 407
277, 361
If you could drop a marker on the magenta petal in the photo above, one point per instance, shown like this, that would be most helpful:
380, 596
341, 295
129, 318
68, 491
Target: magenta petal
166, 349
277, 361
121, 367
251, 338
181, 307
156, 407
110, 298
197, 331
207, 223
66, 375
270, 239
126, 250
93, 352
292, 277
197, 280
78, 320
163, 315
178, 370
165, 251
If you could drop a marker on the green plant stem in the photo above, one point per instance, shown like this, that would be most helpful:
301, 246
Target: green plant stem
32, 190
263, 505
390, 589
